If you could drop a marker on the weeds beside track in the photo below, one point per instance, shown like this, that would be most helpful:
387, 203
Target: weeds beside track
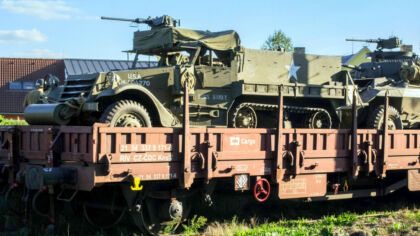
397, 214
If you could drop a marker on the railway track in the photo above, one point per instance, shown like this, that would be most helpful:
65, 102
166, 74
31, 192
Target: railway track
366, 215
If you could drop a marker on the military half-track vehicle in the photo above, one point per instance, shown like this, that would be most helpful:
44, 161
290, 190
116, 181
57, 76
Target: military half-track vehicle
229, 85
396, 73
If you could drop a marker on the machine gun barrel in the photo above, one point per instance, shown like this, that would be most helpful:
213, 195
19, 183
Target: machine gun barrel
364, 40
390, 43
358, 68
164, 20
137, 20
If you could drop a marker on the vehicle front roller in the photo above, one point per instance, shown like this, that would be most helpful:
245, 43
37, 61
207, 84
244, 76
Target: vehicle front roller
126, 113
376, 118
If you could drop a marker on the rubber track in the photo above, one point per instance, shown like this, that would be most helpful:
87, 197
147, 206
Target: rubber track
291, 109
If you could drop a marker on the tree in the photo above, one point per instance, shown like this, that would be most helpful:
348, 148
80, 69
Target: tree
278, 40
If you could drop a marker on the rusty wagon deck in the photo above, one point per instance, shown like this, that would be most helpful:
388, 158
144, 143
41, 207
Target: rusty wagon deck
301, 163
159, 171
299, 167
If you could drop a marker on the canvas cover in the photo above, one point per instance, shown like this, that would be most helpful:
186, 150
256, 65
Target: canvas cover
168, 36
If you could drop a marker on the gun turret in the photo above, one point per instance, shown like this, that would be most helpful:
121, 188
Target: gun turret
390, 43
152, 22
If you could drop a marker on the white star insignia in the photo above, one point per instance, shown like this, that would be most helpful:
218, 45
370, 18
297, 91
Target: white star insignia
292, 70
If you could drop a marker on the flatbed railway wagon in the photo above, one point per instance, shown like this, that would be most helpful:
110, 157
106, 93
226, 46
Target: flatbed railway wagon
155, 174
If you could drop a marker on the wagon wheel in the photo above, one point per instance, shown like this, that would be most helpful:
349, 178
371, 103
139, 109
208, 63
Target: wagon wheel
13, 199
157, 215
101, 208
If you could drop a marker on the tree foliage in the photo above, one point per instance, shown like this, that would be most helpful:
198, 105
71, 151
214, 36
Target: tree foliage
278, 40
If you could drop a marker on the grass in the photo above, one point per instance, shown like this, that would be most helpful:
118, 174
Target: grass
412, 215
406, 221
324, 226
230, 227
300, 227
387, 216
392, 215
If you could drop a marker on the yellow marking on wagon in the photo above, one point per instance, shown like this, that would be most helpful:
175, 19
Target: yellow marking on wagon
136, 186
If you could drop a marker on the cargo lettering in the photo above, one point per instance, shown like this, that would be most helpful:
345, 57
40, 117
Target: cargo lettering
242, 168
146, 148
158, 176
144, 157
236, 141
37, 130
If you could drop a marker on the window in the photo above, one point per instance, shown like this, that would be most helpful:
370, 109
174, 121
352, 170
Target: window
15, 86
21, 85
28, 85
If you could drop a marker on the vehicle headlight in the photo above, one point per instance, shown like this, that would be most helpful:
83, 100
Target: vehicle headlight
53, 81
112, 79
115, 79
109, 78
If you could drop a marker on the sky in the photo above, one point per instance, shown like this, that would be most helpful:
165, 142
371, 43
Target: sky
73, 29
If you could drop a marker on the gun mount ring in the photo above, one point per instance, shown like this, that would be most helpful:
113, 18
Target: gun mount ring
262, 190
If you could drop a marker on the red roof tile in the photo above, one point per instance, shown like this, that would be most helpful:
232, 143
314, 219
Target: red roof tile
23, 70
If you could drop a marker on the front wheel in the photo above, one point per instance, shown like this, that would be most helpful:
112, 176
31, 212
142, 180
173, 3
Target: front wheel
376, 118
126, 113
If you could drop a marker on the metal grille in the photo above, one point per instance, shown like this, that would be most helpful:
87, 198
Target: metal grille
76, 87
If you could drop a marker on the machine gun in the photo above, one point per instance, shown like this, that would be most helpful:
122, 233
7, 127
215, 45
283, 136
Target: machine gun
391, 43
164, 20
353, 67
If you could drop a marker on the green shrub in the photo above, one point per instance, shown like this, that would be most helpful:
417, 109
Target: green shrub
171, 226
195, 224
4, 121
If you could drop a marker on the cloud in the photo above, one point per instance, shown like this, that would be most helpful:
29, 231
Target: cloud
21, 36
40, 53
46, 10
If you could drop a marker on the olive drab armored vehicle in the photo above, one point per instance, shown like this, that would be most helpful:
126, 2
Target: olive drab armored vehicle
396, 73
229, 85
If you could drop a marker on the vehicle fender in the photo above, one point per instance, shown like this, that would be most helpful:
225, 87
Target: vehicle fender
369, 94
165, 117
